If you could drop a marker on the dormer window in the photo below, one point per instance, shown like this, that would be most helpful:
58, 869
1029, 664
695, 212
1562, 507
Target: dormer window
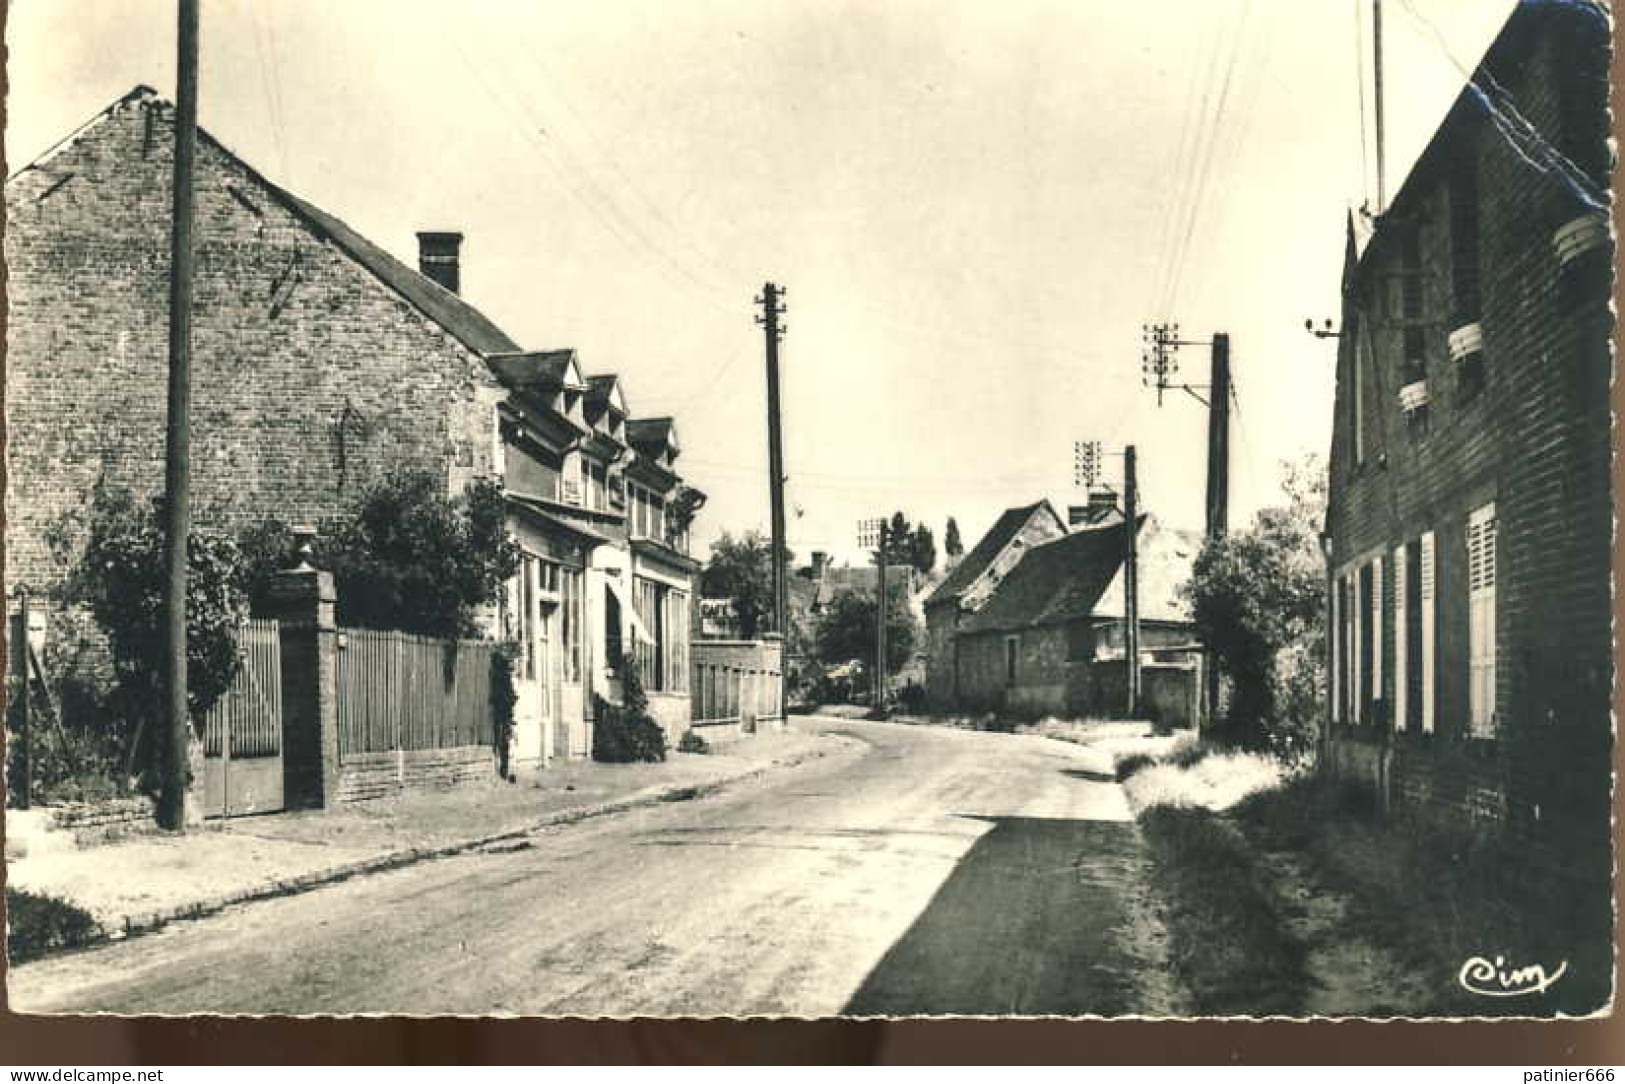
1466, 338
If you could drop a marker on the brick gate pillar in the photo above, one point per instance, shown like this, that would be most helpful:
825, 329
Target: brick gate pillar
301, 600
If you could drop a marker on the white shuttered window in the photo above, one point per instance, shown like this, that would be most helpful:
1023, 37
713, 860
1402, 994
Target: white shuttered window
1376, 632
1481, 620
1401, 640
1426, 576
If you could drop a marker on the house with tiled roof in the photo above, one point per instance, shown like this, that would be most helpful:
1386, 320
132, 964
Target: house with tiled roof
1050, 637
321, 362
967, 587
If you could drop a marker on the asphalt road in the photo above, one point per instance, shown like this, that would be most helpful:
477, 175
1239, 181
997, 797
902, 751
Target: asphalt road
922, 871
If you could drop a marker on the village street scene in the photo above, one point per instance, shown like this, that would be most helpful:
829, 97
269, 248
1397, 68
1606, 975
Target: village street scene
880, 510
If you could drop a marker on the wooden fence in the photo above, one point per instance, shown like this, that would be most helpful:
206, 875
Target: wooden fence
402, 692
251, 710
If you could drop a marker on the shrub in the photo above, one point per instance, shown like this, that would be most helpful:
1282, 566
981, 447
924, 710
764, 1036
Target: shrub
693, 742
624, 733
619, 737
39, 924
1258, 593
407, 557
120, 580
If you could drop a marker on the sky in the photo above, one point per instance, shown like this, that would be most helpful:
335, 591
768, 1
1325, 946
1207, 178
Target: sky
974, 207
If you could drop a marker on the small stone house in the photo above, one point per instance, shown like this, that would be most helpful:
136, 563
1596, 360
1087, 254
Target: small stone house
1470, 520
1050, 637
321, 362
968, 586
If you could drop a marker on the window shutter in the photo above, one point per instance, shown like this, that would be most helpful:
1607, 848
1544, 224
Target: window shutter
1376, 630
1426, 575
1401, 640
1335, 652
1481, 620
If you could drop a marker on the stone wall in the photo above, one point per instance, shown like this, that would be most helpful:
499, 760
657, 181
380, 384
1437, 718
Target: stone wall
102, 822
377, 775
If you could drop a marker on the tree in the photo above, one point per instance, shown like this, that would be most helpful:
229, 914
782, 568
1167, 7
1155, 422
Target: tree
900, 540
951, 544
847, 632
1258, 597
407, 557
924, 549
741, 570
121, 580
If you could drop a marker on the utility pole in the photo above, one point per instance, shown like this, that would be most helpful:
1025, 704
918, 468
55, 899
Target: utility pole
1376, 44
880, 622
1159, 364
772, 309
177, 465
1131, 581
874, 532
1218, 440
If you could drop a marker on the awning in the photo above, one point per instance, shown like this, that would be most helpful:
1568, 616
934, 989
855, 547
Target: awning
639, 629
533, 507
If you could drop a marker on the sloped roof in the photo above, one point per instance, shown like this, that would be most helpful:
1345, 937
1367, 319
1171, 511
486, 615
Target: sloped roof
606, 388
456, 316
539, 368
974, 563
1058, 580
652, 433
1166, 556
461, 320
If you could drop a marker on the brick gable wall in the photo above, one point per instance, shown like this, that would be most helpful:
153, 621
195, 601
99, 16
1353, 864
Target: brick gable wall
310, 376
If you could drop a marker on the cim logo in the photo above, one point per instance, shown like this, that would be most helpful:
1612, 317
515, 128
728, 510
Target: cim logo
1480, 976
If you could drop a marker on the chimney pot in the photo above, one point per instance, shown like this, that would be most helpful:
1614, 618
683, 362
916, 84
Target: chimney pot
439, 256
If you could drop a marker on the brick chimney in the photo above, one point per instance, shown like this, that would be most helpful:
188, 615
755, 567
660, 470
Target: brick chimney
438, 257
1101, 507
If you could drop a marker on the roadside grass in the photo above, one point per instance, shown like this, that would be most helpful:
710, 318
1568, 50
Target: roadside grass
37, 924
1437, 899
1200, 775
1228, 943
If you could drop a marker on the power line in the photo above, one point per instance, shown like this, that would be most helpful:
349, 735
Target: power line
1359, 85
268, 84
1519, 133
626, 232
1207, 159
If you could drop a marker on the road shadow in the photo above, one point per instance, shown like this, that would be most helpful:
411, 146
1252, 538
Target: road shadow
1033, 921
1088, 776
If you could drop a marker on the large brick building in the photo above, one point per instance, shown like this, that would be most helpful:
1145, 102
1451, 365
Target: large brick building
321, 362
1469, 521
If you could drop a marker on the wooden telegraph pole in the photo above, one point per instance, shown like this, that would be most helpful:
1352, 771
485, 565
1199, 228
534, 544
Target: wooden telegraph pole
1218, 440
1131, 580
1159, 364
177, 467
772, 309
880, 622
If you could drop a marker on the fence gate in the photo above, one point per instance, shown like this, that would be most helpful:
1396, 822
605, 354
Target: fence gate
242, 734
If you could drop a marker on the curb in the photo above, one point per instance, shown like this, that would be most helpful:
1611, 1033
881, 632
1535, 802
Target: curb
133, 925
